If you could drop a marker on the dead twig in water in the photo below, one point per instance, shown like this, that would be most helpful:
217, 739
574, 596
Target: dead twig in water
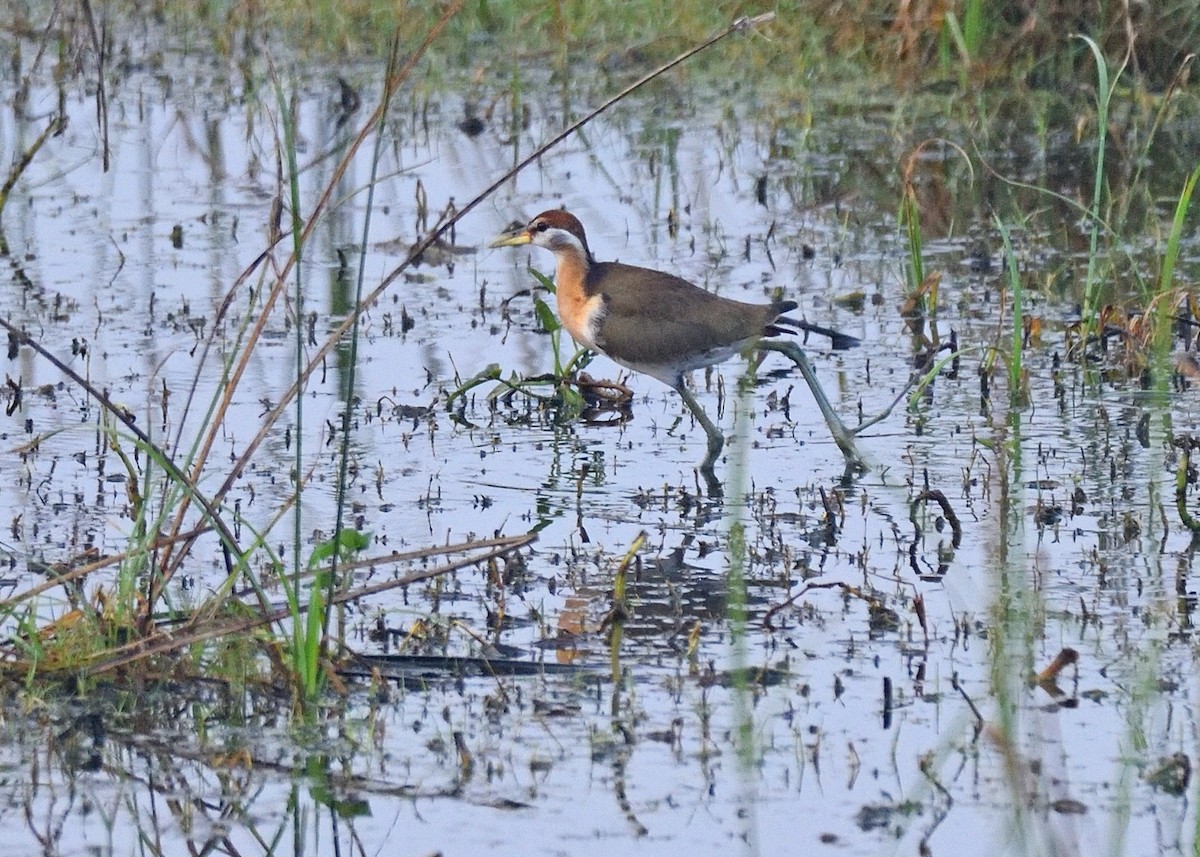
99, 37
1183, 477
947, 512
164, 644
82, 571
57, 124
809, 587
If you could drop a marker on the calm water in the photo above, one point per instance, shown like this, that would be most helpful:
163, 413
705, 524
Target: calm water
863, 738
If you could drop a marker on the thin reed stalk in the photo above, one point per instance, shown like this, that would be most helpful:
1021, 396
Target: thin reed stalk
1016, 292
389, 90
1104, 93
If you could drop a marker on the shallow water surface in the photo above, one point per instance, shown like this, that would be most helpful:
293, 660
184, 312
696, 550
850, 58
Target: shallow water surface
887, 707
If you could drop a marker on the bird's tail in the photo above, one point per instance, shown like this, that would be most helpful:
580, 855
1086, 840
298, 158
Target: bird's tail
838, 341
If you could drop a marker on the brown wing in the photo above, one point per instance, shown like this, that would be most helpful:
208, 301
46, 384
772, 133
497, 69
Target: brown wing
657, 319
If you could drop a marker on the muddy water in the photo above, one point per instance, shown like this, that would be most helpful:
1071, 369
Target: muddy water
862, 732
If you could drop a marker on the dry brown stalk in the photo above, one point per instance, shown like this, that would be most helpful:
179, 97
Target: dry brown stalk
165, 643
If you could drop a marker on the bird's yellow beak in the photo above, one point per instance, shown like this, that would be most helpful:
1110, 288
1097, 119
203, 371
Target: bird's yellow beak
515, 238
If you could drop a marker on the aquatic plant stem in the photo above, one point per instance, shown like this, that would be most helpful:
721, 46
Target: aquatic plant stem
1166, 275
619, 611
82, 571
305, 648
21, 163
1104, 93
390, 82
1016, 292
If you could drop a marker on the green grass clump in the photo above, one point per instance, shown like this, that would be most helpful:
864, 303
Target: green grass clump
969, 42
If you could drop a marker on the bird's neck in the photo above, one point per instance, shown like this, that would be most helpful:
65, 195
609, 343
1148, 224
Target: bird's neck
571, 272
579, 309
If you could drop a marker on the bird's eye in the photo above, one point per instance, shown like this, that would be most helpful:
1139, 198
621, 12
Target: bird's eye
541, 226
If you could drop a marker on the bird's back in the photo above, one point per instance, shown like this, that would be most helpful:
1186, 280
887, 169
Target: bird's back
664, 326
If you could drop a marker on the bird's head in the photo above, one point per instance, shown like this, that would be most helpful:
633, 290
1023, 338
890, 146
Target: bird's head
557, 231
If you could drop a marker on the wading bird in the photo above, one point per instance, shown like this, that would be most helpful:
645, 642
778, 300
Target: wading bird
661, 325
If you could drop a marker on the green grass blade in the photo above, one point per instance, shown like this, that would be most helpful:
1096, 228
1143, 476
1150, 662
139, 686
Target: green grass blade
1171, 255
1017, 294
1104, 93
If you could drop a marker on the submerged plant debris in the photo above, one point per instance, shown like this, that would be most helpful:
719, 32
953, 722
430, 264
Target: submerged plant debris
504, 599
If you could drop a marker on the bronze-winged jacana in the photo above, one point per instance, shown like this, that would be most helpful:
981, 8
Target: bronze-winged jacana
651, 321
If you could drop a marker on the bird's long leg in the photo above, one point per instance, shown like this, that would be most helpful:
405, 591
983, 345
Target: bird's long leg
716, 440
842, 436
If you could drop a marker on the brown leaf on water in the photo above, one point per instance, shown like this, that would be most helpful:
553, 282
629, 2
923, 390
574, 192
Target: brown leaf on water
1062, 660
916, 304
